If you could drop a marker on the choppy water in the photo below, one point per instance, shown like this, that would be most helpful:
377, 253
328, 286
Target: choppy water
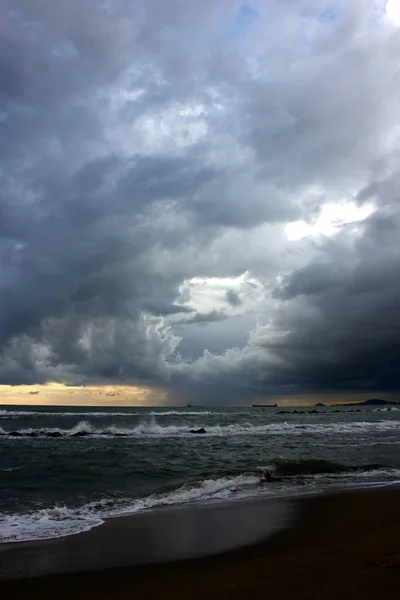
63, 470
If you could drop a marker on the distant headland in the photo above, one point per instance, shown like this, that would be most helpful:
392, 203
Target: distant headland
370, 402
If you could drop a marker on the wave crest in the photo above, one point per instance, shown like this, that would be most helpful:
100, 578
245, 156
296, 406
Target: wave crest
14, 414
150, 428
287, 478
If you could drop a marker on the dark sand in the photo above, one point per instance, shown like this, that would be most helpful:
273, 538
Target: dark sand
159, 536
343, 546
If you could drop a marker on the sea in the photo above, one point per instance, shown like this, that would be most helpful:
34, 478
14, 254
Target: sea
65, 470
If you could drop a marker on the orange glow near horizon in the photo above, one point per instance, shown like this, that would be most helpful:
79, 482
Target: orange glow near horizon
124, 395
90, 395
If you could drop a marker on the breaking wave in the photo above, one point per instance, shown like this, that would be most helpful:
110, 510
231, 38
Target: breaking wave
46, 524
285, 478
150, 428
7, 414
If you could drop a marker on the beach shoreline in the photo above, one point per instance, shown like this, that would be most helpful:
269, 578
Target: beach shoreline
341, 545
161, 535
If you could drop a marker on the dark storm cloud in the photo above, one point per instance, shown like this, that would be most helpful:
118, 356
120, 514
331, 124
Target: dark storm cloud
341, 314
146, 144
336, 326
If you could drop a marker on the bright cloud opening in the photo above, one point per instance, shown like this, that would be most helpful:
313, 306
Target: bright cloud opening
331, 219
393, 11
209, 293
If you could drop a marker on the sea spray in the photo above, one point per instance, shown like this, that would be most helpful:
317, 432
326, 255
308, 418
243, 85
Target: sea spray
152, 429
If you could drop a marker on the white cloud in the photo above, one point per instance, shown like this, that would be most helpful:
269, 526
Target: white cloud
393, 11
208, 293
331, 219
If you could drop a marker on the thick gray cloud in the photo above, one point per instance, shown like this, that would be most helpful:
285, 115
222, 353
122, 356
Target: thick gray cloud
152, 155
233, 298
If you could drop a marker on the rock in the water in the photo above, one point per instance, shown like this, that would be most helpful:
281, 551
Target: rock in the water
79, 434
15, 434
54, 434
266, 475
201, 430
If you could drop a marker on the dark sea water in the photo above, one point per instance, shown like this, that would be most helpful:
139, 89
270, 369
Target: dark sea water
127, 460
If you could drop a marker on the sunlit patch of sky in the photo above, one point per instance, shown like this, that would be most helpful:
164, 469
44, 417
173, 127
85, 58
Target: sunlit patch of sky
54, 393
207, 293
332, 218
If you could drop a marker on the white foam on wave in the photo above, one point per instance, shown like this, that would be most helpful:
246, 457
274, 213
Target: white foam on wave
168, 413
196, 491
63, 521
13, 414
7, 414
392, 474
151, 429
46, 524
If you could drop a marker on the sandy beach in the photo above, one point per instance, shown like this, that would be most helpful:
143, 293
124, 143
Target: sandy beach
339, 546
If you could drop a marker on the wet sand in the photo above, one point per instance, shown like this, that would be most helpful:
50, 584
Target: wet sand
158, 536
341, 546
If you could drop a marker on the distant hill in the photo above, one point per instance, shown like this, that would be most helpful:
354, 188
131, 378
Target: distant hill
320, 404
371, 402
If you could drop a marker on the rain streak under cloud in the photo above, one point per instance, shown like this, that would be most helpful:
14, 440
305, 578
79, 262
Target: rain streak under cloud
201, 197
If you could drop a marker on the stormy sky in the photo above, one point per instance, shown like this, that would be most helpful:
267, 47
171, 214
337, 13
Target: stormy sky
200, 197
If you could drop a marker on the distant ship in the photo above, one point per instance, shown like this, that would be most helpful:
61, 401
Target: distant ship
265, 406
